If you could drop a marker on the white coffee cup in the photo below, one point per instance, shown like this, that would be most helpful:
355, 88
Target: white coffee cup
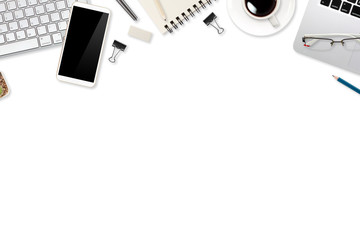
271, 17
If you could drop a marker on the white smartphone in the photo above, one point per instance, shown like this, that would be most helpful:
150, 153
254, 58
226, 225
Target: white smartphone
83, 45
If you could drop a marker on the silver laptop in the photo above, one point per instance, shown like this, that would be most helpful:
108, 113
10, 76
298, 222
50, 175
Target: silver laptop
332, 17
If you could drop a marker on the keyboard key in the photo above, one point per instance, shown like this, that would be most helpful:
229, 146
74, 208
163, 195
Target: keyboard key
325, 2
55, 17
346, 7
65, 14
20, 35
41, 30
52, 28
45, 41
34, 21
32, 2
8, 16
355, 11
44, 19
22, 3
60, 5
10, 37
2, 39
13, 26
11, 5
57, 38
3, 28
19, 14
50, 7
29, 12
352, 1
62, 26
39, 10
23, 24
2, 7
70, 2
31, 32
19, 46
335, 4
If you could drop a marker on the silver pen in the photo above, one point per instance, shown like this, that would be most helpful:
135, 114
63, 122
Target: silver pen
127, 9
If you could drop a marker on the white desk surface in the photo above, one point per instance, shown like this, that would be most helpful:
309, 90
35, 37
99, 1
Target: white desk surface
194, 136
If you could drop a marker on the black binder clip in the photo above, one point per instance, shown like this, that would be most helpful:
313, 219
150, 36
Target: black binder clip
211, 20
118, 47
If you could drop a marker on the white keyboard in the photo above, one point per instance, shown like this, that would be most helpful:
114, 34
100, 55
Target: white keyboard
32, 24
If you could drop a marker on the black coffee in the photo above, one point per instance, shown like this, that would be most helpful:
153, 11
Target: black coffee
260, 8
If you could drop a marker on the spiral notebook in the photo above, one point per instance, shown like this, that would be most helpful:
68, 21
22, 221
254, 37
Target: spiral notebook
177, 12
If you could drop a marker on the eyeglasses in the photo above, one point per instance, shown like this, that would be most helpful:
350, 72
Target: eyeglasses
323, 41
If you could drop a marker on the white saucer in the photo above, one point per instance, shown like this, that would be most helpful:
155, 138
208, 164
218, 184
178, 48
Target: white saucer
260, 27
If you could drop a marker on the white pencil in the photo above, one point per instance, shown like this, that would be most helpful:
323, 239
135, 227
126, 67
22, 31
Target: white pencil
160, 8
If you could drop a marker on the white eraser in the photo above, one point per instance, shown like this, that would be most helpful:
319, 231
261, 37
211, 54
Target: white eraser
140, 34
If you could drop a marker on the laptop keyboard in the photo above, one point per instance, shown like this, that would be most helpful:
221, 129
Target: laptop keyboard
351, 7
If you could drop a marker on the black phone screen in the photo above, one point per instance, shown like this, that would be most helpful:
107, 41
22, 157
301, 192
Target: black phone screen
83, 44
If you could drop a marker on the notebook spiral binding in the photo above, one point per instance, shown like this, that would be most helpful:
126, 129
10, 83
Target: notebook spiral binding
185, 15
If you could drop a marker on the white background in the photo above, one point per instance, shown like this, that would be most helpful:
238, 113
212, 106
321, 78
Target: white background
193, 136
